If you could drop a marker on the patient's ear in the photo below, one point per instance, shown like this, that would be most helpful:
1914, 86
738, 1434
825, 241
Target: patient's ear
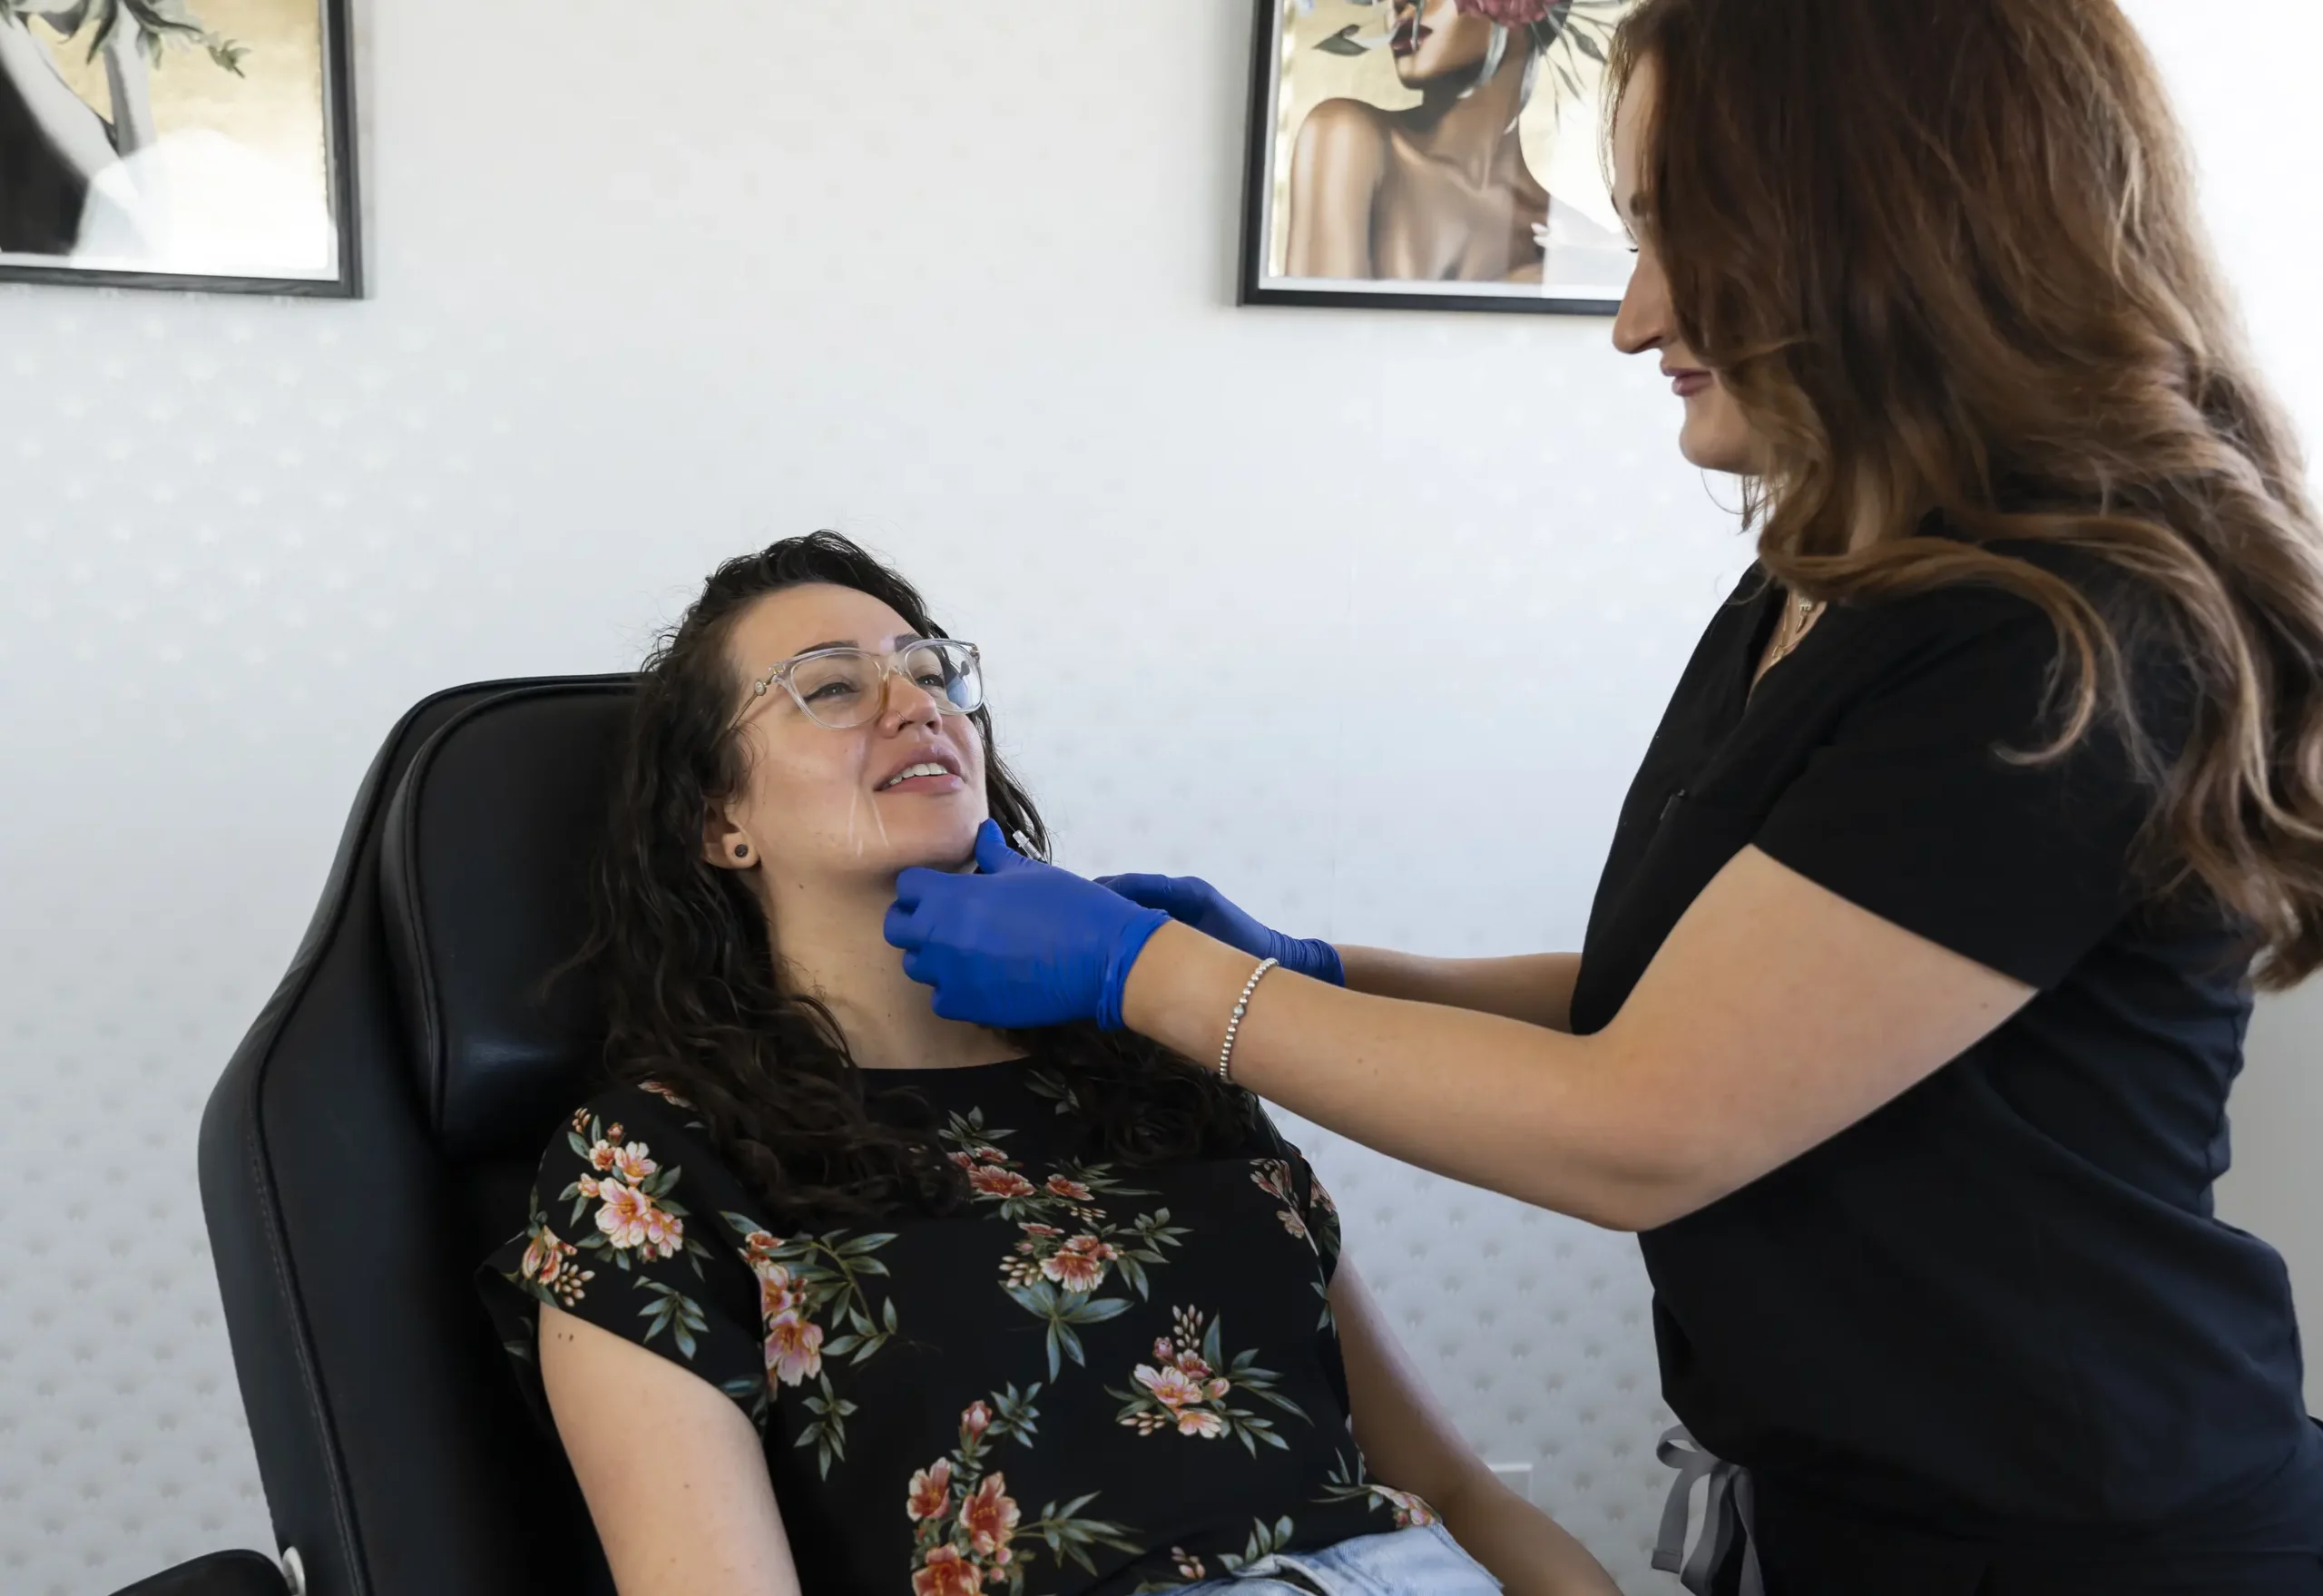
726, 844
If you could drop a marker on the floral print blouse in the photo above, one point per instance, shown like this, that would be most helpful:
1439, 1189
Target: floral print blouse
1085, 1380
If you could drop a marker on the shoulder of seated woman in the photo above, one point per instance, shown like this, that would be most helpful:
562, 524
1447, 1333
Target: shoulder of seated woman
628, 1102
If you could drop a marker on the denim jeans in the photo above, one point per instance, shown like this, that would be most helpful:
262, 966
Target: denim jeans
1402, 1562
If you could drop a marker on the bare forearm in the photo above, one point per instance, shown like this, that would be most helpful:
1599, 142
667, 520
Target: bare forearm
1523, 1547
1489, 1101
131, 90
1536, 988
1776, 1015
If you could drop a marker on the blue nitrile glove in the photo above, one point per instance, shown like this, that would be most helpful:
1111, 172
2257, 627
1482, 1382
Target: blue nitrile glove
1019, 944
1193, 902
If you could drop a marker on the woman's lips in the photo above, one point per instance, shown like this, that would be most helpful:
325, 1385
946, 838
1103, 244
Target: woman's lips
1687, 383
947, 782
1407, 40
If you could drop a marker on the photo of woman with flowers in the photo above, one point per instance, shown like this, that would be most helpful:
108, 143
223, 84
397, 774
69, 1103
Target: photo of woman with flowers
1431, 152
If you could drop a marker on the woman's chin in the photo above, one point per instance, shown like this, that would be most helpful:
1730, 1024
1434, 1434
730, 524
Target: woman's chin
930, 842
1711, 448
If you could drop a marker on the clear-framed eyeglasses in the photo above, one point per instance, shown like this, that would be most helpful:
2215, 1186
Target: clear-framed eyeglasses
843, 688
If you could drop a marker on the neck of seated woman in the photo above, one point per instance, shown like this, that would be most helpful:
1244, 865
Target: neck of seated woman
829, 944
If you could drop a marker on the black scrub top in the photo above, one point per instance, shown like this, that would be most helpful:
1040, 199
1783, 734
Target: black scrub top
2000, 1307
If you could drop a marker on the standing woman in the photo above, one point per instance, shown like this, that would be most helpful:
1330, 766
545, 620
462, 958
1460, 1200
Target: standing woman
1920, 967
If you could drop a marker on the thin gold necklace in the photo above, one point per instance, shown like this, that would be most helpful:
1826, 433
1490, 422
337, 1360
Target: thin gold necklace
1796, 623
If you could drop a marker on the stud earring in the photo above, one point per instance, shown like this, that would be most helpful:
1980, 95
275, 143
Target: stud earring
741, 850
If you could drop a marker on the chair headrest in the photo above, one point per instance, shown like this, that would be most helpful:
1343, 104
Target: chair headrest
483, 885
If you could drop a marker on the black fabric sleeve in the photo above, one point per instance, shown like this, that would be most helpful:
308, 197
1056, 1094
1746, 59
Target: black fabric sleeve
1282, 1171
1913, 810
626, 1232
1317, 1211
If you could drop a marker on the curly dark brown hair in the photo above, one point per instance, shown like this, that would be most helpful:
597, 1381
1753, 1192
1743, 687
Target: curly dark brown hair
679, 959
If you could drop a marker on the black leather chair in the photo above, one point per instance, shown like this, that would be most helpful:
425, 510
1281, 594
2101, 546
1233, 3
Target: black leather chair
375, 1137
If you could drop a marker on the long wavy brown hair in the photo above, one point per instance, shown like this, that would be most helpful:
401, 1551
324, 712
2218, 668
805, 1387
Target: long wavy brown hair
680, 960
1946, 257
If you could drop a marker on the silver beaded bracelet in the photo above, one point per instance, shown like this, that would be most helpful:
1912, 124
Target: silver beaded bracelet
1234, 1019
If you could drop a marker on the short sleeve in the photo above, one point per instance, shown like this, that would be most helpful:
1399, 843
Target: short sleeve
1302, 1207
1317, 1211
1912, 808
628, 1230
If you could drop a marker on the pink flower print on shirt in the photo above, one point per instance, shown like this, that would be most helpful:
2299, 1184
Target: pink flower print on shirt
1183, 1389
948, 1573
794, 1348
1171, 1385
1079, 1264
1411, 1513
989, 1515
776, 1295
931, 1492
990, 1181
630, 1219
549, 1264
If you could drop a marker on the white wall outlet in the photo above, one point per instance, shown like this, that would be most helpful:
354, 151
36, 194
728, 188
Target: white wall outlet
1516, 1476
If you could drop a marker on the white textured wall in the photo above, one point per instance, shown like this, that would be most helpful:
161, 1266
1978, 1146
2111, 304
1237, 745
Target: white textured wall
655, 284
2244, 77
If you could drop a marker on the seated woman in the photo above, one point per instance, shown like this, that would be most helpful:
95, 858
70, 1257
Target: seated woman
830, 1295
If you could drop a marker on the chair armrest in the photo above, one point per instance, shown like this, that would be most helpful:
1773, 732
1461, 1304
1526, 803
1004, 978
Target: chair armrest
221, 1573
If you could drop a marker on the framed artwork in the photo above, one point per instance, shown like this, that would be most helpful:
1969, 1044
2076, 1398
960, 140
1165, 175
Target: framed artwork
179, 145
1432, 154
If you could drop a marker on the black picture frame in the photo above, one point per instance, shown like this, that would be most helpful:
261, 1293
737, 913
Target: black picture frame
342, 201
1254, 286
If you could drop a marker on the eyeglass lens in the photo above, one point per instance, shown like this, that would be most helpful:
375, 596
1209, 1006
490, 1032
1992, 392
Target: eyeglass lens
843, 688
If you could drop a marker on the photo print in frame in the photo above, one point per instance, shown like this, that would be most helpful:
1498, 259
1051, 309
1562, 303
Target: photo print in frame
1432, 154
203, 144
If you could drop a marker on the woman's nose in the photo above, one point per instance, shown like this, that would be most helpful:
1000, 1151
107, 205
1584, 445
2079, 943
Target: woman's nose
1635, 328
1642, 322
907, 703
